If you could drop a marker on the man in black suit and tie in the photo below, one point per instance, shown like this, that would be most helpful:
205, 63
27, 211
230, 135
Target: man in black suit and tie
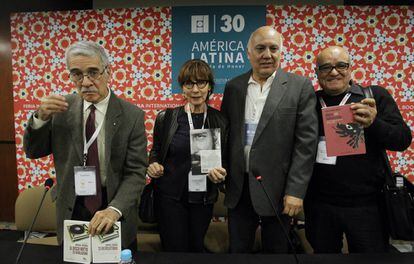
273, 134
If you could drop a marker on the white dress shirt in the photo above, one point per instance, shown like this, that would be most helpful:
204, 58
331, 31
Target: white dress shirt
255, 101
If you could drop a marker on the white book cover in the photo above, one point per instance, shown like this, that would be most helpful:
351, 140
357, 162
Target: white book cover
76, 242
106, 248
205, 145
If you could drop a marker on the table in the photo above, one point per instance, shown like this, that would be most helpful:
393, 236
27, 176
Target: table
53, 254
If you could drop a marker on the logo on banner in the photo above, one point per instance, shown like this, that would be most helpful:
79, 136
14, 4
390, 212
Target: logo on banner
217, 35
199, 24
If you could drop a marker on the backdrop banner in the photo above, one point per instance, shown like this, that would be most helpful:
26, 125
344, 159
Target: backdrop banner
147, 46
218, 35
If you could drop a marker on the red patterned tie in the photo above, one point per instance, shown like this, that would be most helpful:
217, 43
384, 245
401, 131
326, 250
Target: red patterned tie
93, 202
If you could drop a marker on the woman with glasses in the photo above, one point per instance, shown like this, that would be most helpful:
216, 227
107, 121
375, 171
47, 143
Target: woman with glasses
184, 216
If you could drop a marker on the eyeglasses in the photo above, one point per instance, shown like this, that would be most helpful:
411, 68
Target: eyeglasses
339, 67
92, 74
200, 84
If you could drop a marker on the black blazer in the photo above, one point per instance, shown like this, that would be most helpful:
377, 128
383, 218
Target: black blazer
165, 127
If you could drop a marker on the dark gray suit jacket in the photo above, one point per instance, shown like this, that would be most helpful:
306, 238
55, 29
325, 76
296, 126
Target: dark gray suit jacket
284, 145
125, 155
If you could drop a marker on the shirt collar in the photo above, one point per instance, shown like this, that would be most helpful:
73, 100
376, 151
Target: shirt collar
101, 106
355, 88
269, 79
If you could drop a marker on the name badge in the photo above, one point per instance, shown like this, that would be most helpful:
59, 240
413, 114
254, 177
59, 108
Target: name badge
250, 131
197, 183
321, 155
85, 180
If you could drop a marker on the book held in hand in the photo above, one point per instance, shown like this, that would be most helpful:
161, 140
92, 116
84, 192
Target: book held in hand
344, 136
106, 248
80, 247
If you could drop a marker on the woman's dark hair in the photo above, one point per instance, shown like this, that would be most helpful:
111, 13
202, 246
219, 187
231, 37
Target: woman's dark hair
194, 70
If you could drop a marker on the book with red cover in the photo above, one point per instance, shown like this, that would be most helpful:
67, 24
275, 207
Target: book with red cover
344, 136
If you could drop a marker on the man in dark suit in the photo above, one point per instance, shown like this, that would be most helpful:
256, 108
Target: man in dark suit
64, 125
273, 134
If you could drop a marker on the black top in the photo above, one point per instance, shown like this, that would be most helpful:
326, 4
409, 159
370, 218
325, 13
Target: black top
358, 179
178, 159
171, 148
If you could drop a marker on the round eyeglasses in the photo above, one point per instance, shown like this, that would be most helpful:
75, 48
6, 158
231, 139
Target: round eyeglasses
92, 74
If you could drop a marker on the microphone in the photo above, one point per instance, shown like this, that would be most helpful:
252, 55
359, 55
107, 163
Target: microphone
48, 184
259, 179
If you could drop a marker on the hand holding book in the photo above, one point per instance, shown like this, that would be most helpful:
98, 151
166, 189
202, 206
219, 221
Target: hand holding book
344, 134
365, 111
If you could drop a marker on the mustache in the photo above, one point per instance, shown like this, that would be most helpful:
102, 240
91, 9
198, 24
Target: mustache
89, 90
266, 61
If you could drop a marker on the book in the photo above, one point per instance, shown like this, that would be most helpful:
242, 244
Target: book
205, 146
80, 247
106, 248
76, 242
344, 136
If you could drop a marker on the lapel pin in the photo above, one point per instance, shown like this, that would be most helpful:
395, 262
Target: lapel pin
114, 124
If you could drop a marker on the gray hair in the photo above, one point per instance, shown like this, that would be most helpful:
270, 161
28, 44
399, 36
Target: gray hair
87, 49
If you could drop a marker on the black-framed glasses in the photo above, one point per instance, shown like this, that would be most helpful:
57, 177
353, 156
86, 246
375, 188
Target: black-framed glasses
339, 67
200, 84
92, 74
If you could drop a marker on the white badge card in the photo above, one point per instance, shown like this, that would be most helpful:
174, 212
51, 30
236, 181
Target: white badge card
322, 155
85, 180
197, 183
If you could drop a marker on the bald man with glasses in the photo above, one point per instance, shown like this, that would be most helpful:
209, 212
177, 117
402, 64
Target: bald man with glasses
92, 131
344, 194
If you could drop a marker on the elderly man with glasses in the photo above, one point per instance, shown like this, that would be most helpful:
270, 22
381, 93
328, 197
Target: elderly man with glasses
96, 133
344, 192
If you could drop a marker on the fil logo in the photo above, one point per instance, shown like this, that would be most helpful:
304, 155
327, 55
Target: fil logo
199, 24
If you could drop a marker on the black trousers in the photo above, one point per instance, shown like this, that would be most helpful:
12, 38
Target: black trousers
243, 222
363, 226
182, 225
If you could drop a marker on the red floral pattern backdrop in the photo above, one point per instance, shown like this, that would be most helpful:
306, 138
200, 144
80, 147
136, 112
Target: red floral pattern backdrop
380, 40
